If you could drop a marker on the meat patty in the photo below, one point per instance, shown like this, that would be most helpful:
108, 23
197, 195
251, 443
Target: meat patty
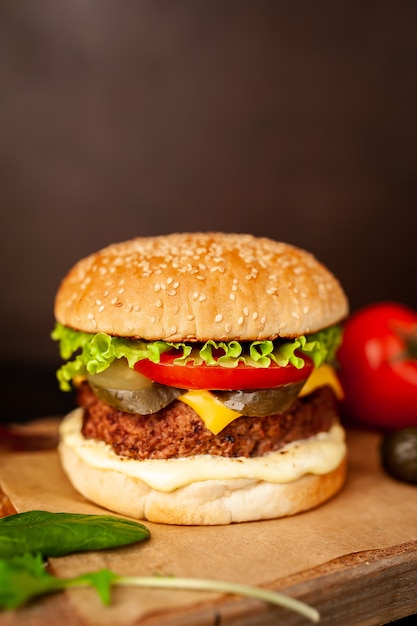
177, 430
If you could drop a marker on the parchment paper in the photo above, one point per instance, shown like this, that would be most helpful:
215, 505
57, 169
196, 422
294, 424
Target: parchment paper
371, 513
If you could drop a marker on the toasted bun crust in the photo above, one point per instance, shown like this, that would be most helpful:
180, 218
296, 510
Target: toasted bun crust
200, 286
208, 502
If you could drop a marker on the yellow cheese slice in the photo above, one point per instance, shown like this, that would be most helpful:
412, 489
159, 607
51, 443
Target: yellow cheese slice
323, 375
216, 416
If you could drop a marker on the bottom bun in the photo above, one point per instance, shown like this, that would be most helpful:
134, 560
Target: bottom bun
203, 502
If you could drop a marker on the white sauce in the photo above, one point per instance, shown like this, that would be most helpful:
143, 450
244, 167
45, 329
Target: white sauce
317, 455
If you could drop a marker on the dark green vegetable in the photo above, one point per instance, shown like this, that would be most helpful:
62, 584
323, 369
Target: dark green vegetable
399, 454
260, 402
57, 534
142, 401
25, 578
125, 389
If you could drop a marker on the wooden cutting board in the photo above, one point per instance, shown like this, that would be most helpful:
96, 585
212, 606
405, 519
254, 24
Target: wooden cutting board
354, 558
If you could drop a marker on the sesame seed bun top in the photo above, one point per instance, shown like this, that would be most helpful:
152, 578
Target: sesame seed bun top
200, 286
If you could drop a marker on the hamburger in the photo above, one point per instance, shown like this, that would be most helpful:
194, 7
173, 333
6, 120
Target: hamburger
203, 370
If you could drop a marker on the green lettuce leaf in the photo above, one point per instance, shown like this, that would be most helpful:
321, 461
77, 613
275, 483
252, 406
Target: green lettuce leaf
93, 353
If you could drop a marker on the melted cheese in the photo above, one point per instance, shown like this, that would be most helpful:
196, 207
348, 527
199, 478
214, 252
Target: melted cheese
323, 375
317, 455
216, 416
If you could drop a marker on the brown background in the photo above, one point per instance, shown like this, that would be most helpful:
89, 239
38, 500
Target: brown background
295, 120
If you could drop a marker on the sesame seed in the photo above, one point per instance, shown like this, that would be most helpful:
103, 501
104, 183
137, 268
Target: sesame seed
153, 319
218, 317
172, 292
158, 303
228, 328
232, 296
113, 300
202, 298
101, 308
190, 317
240, 321
255, 315
295, 315
195, 295
246, 311
157, 287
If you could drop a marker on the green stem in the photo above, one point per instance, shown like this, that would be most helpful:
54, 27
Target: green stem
199, 584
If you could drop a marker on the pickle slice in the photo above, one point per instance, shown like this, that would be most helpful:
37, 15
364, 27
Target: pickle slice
143, 401
260, 402
126, 390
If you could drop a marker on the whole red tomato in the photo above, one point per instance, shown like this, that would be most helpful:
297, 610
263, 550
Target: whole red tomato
378, 366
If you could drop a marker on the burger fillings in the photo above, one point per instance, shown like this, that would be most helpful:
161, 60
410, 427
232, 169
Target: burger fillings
201, 364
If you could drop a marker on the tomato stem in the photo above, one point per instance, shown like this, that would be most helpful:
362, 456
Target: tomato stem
410, 340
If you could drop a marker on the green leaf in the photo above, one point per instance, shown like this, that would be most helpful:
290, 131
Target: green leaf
23, 578
102, 581
57, 534
93, 353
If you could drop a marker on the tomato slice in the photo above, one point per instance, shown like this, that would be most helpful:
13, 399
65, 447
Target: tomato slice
217, 377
